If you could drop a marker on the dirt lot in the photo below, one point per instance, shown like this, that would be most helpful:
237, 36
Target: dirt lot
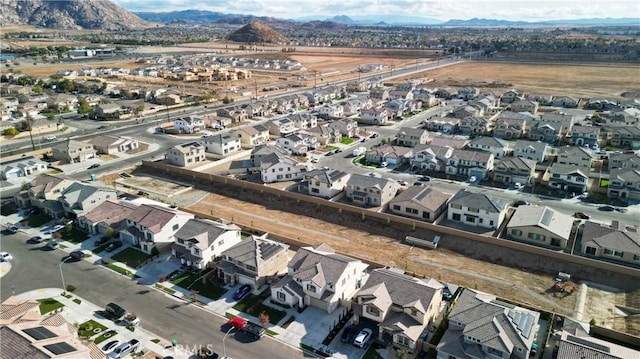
580, 80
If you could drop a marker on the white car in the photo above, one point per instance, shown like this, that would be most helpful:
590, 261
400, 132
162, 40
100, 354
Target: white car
5, 257
50, 138
472, 179
362, 338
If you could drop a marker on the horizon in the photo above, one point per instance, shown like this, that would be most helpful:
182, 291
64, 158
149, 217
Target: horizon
440, 10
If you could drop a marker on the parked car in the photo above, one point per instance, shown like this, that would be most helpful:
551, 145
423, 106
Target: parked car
446, 293
56, 228
115, 310
402, 182
338, 150
384, 164
53, 245
424, 179
242, 291
95, 165
5, 257
472, 179
101, 241
520, 202
241, 324
113, 246
581, 215
50, 138
108, 348
13, 229
124, 349
621, 210
315, 160
37, 239
607, 208
74, 256
363, 337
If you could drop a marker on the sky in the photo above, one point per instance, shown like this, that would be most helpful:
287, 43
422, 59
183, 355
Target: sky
526, 10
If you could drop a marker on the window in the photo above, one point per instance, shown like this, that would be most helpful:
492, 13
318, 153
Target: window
474, 210
315, 190
516, 232
414, 312
402, 340
251, 268
396, 207
281, 296
470, 219
175, 227
636, 258
408, 210
181, 241
613, 253
456, 216
373, 311
311, 288
591, 251
456, 206
536, 236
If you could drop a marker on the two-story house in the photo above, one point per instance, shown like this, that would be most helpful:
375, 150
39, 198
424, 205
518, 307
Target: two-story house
624, 183
236, 114
511, 96
278, 168
410, 137
579, 157
346, 127
298, 143
513, 125
326, 133
72, 151
402, 306
568, 178
586, 136
331, 111
252, 136
44, 192
481, 326
199, 242
79, 198
222, 144
304, 121
622, 136
186, 154
475, 125
109, 216
318, 277
470, 163
374, 116
624, 161
152, 227
497, 146
188, 125
477, 209
540, 226
281, 127
22, 167
551, 127
524, 106
617, 242
430, 157
467, 111
370, 191
253, 261
326, 183
514, 170
423, 203
536, 151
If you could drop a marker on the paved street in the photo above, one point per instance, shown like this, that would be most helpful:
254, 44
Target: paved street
161, 314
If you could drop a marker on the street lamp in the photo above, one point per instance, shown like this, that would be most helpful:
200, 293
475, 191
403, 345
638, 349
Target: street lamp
224, 348
64, 288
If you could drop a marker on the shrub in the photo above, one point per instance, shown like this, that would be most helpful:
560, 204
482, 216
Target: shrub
71, 288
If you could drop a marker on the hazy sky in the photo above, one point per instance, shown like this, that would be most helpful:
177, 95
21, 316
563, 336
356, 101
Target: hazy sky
528, 10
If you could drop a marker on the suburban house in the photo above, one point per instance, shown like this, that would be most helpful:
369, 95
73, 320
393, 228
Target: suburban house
79, 198
255, 261
253, 135
624, 161
624, 117
536, 151
346, 127
579, 341
108, 111
331, 111
236, 114
481, 326
579, 157
423, 203
511, 96
304, 121
319, 277
564, 101
469, 163
617, 242
543, 100
402, 306
281, 127
152, 227
477, 209
279, 168
26, 333
112, 145
410, 137
22, 167
624, 183
540, 226
186, 154
623, 136
586, 136
497, 146
188, 125
392, 155
514, 170
325, 133
568, 178
374, 116
298, 143
467, 111
370, 191
62, 101
443, 124
475, 125
524, 106
510, 128
222, 144
44, 192
200, 241
468, 93
551, 127
108, 216
325, 183
72, 151
430, 157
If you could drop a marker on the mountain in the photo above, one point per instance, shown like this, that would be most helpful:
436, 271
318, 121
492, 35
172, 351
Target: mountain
257, 32
69, 14
373, 19
194, 16
575, 22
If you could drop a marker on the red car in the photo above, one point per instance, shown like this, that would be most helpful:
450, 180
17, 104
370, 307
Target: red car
581, 215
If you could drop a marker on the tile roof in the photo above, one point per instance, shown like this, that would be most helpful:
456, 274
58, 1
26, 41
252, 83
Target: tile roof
110, 212
255, 250
203, 232
426, 197
604, 236
152, 217
325, 176
320, 265
480, 201
543, 217
510, 163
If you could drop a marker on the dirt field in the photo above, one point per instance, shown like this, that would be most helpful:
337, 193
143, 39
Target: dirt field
588, 80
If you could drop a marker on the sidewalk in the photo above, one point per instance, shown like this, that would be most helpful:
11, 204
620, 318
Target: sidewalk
78, 313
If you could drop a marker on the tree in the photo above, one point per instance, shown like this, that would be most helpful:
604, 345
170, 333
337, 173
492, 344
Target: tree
83, 106
401, 354
110, 232
10, 132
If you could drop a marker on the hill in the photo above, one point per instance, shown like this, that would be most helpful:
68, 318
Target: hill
257, 32
69, 14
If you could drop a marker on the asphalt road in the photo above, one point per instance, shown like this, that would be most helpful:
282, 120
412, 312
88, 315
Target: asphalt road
161, 314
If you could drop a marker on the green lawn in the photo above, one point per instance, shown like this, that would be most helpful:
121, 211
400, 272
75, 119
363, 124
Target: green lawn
118, 269
131, 257
346, 140
331, 148
38, 220
99, 249
48, 305
604, 183
206, 289
168, 290
105, 336
90, 328
74, 236
252, 304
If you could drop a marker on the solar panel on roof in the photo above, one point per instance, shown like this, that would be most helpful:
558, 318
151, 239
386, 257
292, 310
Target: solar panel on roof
39, 333
60, 348
546, 216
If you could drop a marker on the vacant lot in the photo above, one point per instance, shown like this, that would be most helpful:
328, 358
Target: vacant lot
580, 80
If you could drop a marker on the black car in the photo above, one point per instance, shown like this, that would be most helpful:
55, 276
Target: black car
74, 256
95, 165
37, 239
424, 179
521, 203
101, 241
607, 208
115, 310
113, 246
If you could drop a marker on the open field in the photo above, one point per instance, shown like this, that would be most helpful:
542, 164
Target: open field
580, 80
